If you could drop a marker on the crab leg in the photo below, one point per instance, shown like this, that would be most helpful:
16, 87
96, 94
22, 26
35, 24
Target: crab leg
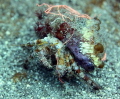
88, 80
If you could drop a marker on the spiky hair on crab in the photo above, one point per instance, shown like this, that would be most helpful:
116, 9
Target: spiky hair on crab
69, 36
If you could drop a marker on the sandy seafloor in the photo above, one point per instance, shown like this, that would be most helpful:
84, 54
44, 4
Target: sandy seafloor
17, 19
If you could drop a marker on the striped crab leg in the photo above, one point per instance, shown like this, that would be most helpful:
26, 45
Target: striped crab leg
88, 80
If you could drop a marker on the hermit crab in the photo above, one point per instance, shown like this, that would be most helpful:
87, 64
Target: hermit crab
71, 38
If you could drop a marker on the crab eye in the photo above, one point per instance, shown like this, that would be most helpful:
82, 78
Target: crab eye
98, 48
